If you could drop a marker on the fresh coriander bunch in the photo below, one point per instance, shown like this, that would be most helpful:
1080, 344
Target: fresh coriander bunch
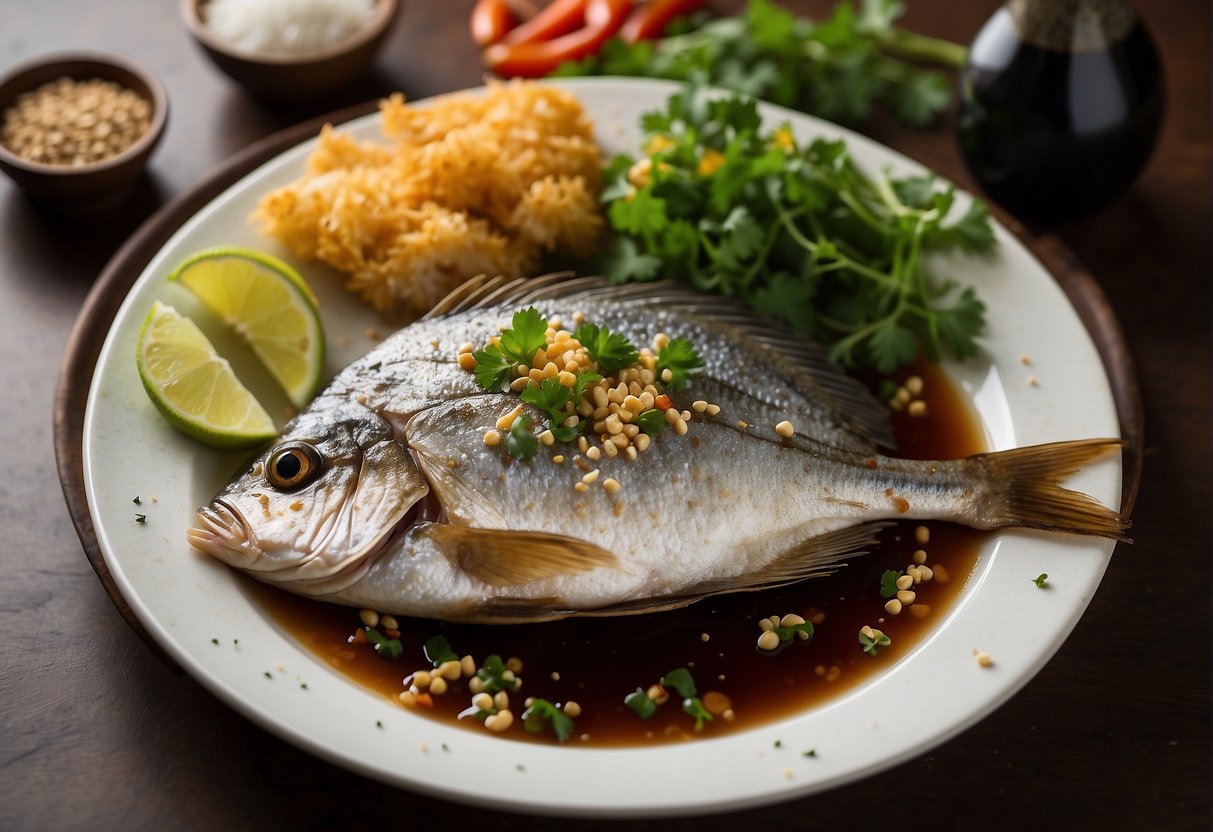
799, 231
838, 68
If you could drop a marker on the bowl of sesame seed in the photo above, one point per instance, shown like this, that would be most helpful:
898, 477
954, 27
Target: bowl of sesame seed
76, 128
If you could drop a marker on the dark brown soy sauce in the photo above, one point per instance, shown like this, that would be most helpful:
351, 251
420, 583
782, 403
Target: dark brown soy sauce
1060, 105
597, 662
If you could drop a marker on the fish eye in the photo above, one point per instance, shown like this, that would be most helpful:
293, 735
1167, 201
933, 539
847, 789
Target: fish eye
292, 466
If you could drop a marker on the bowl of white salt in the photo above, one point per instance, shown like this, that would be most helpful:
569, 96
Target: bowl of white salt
290, 49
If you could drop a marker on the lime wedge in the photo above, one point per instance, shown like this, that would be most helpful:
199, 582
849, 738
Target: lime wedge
269, 305
193, 387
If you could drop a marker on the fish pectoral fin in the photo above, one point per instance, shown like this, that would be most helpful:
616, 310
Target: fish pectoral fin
502, 557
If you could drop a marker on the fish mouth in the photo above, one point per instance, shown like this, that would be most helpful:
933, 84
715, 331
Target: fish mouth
223, 534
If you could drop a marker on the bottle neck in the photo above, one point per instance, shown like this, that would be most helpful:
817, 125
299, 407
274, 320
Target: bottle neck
1073, 25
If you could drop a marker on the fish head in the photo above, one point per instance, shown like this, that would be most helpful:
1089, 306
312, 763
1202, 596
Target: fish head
319, 503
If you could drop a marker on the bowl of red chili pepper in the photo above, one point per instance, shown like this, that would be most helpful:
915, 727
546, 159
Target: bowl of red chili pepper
519, 41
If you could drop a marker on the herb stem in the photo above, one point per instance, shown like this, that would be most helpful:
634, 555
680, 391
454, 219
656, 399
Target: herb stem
924, 48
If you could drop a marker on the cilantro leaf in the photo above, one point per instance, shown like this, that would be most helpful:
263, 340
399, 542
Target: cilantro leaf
651, 422
640, 703
681, 358
496, 676
526, 335
1041, 580
681, 681
541, 713
623, 262
520, 442
972, 233
549, 396
585, 380
438, 650
888, 583
693, 706
385, 648
492, 369
610, 350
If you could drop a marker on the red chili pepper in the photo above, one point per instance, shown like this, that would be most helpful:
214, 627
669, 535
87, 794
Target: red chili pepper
491, 20
555, 19
534, 59
649, 21
663, 402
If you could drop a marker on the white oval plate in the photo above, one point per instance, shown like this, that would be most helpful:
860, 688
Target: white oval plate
188, 601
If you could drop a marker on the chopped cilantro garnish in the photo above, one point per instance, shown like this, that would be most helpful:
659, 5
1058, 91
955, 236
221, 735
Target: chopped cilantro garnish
585, 380
214, 641
438, 651
526, 335
788, 633
681, 359
140, 518
550, 396
651, 422
640, 703
136, 501
693, 707
496, 676
610, 350
872, 644
681, 681
385, 648
520, 442
888, 583
799, 231
812, 752
492, 369
541, 712
1041, 580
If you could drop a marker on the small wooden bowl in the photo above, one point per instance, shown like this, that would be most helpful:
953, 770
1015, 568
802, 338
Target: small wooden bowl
286, 77
91, 183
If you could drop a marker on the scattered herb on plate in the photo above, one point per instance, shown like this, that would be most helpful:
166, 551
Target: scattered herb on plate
798, 231
838, 68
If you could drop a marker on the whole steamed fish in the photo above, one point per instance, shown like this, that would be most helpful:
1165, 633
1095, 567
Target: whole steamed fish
384, 493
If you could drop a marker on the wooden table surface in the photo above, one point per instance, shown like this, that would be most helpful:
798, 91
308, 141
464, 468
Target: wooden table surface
95, 732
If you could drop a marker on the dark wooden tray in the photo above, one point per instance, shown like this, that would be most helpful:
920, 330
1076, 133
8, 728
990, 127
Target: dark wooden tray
129, 262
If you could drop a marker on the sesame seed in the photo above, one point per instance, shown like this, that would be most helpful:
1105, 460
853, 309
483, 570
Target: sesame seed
591, 476
917, 408
893, 606
594, 453
492, 438
611, 485
558, 459
920, 556
906, 596
467, 361
983, 659
785, 429
548, 438
580, 487
922, 535
699, 406
769, 640
369, 617
915, 385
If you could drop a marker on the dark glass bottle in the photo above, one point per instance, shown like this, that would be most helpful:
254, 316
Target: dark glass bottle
1060, 105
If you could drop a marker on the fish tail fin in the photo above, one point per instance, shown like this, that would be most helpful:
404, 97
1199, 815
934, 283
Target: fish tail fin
1026, 489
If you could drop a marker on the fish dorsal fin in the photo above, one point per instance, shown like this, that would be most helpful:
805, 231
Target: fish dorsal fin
482, 292
816, 557
503, 558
